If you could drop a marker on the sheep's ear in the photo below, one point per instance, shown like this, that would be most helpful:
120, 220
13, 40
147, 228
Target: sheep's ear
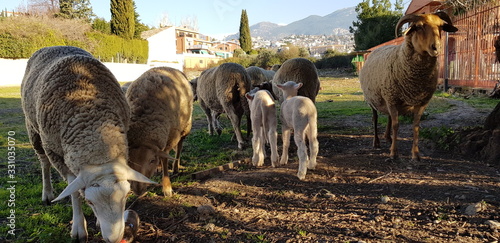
449, 28
297, 86
279, 86
249, 96
74, 186
133, 175
164, 155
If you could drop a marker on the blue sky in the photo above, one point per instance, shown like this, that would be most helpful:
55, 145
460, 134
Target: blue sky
219, 17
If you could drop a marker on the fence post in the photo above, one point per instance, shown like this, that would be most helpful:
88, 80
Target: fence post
446, 64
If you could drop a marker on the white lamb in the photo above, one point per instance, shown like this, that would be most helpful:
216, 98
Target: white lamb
264, 125
299, 113
77, 118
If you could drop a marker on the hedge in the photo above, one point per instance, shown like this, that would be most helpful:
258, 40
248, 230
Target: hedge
28, 39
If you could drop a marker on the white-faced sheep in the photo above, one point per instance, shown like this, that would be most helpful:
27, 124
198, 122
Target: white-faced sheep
299, 70
299, 114
77, 118
222, 89
161, 103
401, 79
264, 125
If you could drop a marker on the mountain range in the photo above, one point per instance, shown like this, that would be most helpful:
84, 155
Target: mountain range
312, 25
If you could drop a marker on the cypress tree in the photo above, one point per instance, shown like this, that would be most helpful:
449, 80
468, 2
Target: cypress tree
245, 38
123, 18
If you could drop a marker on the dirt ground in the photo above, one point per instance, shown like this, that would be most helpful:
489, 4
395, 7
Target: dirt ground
354, 195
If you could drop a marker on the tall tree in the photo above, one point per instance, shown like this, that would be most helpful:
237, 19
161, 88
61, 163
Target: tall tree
75, 9
123, 18
139, 27
245, 38
376, 22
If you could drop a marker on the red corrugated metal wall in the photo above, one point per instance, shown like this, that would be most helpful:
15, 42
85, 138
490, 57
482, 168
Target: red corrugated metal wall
470, 53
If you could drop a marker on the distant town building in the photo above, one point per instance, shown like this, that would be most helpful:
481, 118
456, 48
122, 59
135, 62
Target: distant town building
188, 47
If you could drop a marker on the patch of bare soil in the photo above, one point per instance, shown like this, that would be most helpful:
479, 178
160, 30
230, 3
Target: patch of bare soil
354, 195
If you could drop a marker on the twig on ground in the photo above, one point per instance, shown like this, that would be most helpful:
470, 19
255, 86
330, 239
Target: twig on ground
380, 177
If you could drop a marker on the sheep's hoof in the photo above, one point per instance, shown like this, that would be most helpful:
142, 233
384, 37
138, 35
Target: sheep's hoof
166, 187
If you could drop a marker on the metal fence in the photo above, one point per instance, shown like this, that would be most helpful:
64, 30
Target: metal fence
470, 53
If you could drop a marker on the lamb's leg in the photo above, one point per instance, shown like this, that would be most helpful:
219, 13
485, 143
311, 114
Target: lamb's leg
313, 146
178, 150
376, 141
285, 136
79, 227
415, 155
273, 143
165, 181
300, 141
258, 156
395, 127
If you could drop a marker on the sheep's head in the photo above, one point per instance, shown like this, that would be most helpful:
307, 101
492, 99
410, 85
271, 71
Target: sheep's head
289, 89
425, 31
145, 159
105, 188
267, 86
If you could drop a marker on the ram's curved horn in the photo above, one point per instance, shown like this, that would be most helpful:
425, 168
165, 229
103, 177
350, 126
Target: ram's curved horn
410, 18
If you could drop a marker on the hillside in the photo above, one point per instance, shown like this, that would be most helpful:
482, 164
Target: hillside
312, 25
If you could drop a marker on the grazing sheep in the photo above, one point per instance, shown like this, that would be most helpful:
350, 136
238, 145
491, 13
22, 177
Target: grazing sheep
77, 118
299, 114
401, 79
161, 103
299, 70
264, 125
269, 74
222, 89
259, 75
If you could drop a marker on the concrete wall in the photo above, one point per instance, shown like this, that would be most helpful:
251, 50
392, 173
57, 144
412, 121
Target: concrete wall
12, 71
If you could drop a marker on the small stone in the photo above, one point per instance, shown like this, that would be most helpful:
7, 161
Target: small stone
385, 199
473, 209
493, 224
205, 211
209, 227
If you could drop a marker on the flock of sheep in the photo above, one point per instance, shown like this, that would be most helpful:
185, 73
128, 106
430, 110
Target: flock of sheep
106, 140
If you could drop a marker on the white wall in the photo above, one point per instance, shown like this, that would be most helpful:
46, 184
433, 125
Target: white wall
12, 71
162, 46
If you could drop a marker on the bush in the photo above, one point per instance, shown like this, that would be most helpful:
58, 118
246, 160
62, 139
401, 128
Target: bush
21, 36
113, 48
336, 62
